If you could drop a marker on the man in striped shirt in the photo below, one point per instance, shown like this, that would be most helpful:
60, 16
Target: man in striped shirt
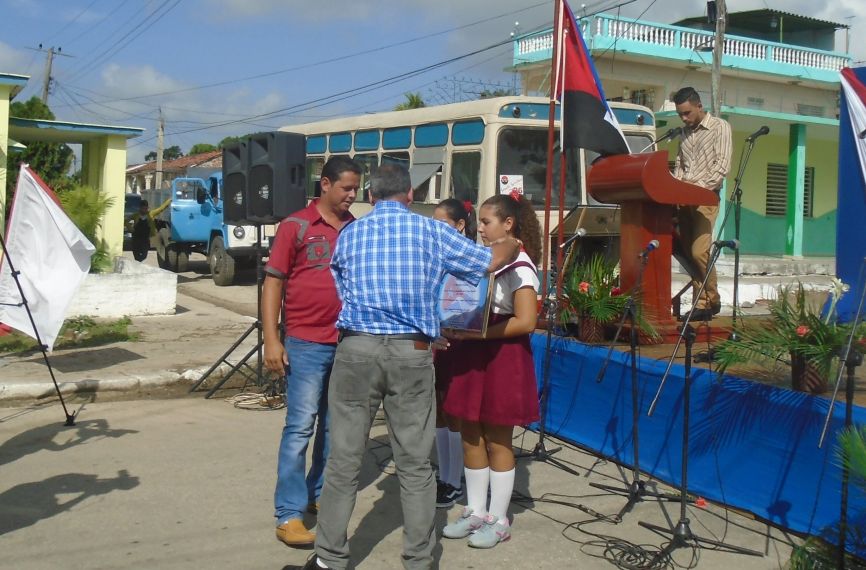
388, 267
704, 159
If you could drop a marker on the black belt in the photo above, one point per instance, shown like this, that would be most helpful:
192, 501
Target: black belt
417, 337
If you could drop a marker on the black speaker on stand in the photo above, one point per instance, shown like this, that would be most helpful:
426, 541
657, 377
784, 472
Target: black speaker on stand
235, 183
275, 183
263, 182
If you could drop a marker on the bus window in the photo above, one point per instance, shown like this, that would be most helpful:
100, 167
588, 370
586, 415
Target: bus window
523, 152
401, 158
465, 173
369, 164
314, 173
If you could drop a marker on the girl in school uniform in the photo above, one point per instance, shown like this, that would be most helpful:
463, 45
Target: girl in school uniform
493, 384
460, 215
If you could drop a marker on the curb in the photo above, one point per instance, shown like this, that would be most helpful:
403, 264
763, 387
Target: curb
132, 384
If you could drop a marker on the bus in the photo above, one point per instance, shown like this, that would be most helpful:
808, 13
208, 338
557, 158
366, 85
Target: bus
472, 150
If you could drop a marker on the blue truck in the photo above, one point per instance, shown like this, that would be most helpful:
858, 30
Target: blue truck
193, 223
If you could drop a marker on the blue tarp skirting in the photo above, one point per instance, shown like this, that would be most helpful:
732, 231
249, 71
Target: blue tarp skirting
752, 446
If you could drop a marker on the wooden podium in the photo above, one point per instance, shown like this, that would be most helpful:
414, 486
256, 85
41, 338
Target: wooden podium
647, 192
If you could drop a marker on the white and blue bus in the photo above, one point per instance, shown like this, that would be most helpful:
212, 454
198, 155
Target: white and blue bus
463, 150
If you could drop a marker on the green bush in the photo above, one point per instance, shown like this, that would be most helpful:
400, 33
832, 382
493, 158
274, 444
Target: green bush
86, 207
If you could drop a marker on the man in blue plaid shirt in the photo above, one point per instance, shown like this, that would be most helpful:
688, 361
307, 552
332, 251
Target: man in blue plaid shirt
388, 266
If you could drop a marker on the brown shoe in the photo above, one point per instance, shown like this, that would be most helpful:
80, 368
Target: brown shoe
294, 533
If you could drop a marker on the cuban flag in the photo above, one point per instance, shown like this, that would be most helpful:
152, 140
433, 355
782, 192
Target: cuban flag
851, 206
587, 121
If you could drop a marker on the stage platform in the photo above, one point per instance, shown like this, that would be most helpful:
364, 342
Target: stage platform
753, 445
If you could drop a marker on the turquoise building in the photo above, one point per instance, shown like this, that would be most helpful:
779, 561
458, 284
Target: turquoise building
778, 69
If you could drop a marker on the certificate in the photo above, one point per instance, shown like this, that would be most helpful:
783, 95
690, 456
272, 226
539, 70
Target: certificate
465, 307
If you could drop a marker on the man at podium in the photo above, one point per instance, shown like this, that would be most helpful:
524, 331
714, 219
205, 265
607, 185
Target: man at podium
704, 159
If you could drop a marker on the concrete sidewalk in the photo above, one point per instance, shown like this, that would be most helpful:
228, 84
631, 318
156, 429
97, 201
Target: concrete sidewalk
188, 483
170, 355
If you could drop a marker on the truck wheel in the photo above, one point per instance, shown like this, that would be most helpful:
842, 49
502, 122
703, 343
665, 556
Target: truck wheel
222, 265
163, 243
182, 263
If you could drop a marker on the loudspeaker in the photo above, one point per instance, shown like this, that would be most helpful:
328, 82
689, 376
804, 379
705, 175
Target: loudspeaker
275, 176
235, 183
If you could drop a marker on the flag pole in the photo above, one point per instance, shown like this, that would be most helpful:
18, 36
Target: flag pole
70, 418
563, 175
548, 181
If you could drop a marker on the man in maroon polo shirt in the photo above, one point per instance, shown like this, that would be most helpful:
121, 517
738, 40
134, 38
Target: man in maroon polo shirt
300, 258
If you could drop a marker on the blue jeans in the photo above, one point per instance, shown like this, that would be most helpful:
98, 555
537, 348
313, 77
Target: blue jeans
306, 400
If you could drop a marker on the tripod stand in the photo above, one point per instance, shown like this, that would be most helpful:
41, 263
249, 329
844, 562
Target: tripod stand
682, 534
636, 490
540, 451
852, 359
254, 327
70, 418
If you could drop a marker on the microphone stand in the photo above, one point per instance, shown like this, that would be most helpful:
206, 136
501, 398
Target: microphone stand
681, 534
852, 358
636, 490
540, 451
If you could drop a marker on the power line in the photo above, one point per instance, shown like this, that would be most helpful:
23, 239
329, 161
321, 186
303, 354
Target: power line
342, 57
72, 21
108, 15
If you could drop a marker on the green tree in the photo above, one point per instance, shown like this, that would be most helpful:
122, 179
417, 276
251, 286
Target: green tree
413, 101
488, 94
169, 153
200, 148
51, 161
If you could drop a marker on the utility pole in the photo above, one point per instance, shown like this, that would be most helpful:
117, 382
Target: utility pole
49, 62
160, 134
718, 51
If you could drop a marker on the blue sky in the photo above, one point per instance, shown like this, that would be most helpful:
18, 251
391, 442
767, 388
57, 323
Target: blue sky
130, 57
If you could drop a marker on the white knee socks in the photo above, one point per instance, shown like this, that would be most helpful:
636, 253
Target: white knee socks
501, 486
455, 468
477, 481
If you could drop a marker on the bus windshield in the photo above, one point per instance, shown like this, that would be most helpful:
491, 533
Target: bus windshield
522, 151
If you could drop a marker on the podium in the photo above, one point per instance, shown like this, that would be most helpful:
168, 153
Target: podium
647, 192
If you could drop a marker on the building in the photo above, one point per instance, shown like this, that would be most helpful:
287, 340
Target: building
143, 176
778, 69
103, 150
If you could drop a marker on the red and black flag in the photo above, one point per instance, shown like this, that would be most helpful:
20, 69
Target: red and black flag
587, 121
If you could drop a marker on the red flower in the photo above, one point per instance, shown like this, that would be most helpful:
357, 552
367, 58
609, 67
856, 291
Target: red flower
583, 287
802, 330
615, 292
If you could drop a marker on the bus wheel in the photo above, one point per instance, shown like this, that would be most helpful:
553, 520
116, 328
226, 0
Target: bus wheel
222, 265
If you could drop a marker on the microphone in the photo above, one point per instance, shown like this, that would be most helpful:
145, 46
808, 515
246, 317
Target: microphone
673, 133
759, 133
731, 243
578, 234
649, 247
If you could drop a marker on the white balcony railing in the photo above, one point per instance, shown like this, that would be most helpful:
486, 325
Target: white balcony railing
661, 35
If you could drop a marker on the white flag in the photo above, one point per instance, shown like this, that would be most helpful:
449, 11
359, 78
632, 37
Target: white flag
51, 256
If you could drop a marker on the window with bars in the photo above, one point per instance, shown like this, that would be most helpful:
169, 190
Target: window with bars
777, 190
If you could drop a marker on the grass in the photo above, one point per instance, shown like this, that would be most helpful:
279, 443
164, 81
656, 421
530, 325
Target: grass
76, 333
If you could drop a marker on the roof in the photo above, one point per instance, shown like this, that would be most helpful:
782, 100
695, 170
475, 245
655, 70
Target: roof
761, 21
16, 81
212, 158
43, 130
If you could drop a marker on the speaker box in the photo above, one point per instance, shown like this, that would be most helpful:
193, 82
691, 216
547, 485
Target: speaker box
275, 176
235, 183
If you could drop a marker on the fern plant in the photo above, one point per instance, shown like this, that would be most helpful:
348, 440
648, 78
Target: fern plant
86, 207
795, 329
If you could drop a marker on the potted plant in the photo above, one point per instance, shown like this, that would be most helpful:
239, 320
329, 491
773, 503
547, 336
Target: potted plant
799, 333
593, 298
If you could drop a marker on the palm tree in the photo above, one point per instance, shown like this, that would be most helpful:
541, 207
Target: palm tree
413, 101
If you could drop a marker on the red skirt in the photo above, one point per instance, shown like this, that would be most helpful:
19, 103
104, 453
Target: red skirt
492, 381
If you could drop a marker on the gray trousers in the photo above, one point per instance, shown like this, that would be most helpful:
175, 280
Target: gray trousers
369, 370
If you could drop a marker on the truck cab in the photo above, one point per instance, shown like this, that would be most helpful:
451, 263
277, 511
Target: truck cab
193, 223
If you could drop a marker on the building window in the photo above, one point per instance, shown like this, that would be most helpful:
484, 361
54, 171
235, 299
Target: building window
777, 190
755, 102
810, 110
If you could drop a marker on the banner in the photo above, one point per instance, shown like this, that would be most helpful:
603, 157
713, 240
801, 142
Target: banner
51, 256
587, 121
